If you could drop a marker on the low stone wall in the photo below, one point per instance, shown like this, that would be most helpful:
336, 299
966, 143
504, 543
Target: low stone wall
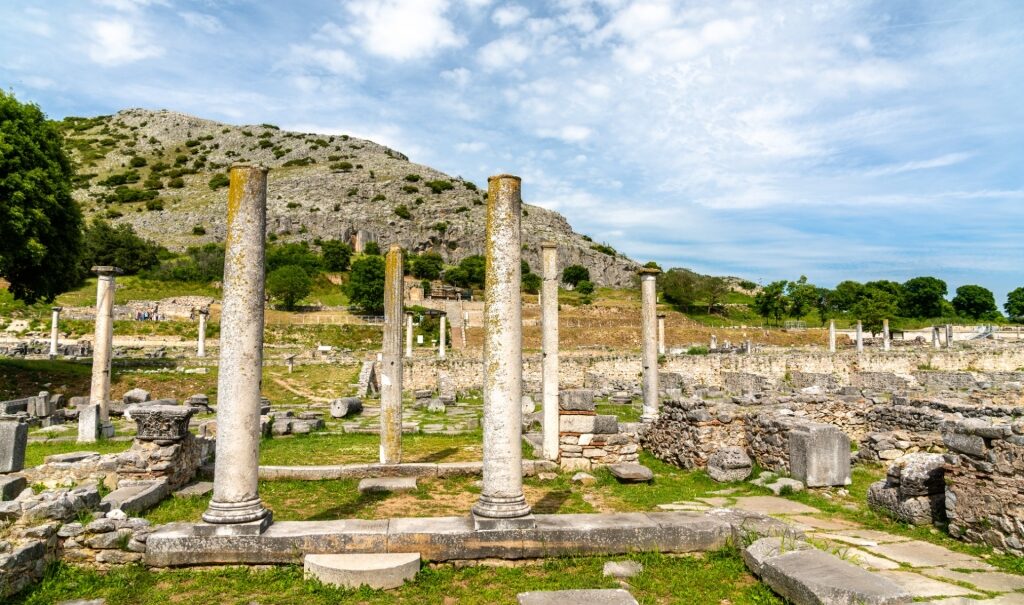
588, 440
687, 432
984, 474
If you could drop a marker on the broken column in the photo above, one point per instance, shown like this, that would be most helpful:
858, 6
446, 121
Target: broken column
102, 354
949, 336
549, 346
649, 342
54, 322
201, 349
935, 337
885, 335
714, 342
441, 337
391, 361
860, 336
502, 502
13, 441
408, 335
661, 334
832, 336
236, 508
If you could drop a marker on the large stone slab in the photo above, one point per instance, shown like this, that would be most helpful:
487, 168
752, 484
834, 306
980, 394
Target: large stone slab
136, 497
13, 441
772, 505
814, 577
387, 485
11, 486
576, 400
984, 580
631, 472
923, 587
382, 571
819, 455
916, 553
728, 464
608, 596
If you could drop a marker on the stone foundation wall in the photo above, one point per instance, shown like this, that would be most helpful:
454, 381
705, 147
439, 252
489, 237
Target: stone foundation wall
984, 474
687, 432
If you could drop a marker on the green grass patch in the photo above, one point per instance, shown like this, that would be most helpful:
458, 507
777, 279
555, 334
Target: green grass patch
355, 448
625, 413
35, 453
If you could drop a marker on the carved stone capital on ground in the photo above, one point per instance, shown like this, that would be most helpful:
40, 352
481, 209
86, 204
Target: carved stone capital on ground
162, 424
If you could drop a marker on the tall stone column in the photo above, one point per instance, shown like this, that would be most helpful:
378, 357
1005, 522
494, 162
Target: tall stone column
885, 335
408, 335
549, 346
832, 336
442, 337
201, 348
502, 503
661, 334
860, 336
391, 363
236, 508
54, 333
103, 341
935, 337
949, 336
649, 341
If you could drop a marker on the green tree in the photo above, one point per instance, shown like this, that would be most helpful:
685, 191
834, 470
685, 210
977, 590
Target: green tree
372, 248
119, 246
846, 295
198, 264
714, 290
975, 302
282, 255
365, 286
531, 283
574, 274
428, 265
40, 224
336, 255
824, 302
585, 287
875, 304
1015, 304
469, 273
770, 302
288, 285
923, 297
802, 297
680, 287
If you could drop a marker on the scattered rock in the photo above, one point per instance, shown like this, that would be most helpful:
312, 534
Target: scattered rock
630, 472
729, 464
622, 569
584, 478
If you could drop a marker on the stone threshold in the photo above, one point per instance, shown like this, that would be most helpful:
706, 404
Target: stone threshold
454, 538
405, 469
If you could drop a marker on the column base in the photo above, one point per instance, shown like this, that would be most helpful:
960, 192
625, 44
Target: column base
490, 512
251, 528
105, 430
249, 512
494, 524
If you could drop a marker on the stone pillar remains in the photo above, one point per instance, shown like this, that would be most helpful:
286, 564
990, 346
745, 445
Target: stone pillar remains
949, 336
832, 336
408, 335
391, 362
885, 335
442, 337
13, 441
236, 508
860, 336
201, 348
649, 342
935, 337
54, 322
102, 353
502, 503
714, 341
661, 334
549, 346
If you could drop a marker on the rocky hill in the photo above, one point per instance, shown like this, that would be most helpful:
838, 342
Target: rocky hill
163, 172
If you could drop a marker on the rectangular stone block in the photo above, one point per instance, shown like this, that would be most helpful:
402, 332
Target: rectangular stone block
819, 455
88, 423
13, 439
14, 406
576, 400
11, 486
606, 425
576, 423
815, 576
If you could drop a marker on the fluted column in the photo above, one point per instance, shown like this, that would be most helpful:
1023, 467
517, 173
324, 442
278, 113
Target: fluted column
860, 336
391, 363
442, 337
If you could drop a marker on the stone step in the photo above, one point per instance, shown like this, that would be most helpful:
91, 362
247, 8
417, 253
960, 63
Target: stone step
387, 485
137, 497
611, 596
382, 571
200, 488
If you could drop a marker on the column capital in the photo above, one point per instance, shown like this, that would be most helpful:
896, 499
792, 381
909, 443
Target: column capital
249, 166
104, 270
56, 309
648, 272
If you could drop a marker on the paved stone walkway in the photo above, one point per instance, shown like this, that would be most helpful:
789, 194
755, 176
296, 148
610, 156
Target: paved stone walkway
930, 572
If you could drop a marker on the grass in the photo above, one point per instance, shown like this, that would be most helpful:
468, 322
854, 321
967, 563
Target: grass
718, 577
353, 448
133, 287
35, 453
625, 413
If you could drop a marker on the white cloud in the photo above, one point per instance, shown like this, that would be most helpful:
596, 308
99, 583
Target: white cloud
509, 15
459, 76
203, 22
130, 5
471, 147
117, 41
503, 53
941, 161
329, 60
403, 29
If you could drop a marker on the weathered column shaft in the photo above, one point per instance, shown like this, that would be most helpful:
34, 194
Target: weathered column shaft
103, 341
235, 487
714, 341
391, 362
408, 335
832, 336
549, 347
442, 337
201, 349
949, 336
935, 337
54, 327
885, 334
502, 495
860, 336
649, 342
661, 335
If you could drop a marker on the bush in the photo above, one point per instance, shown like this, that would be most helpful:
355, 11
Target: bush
219, 180
372, 248
531, 283
412, 178
439, 186
574, 274
427, 265
699, 350
199, 264
299, 254
288, 285
299, 162
176, 183
585, 287
410, 189
365, 286
118, 246
344, 166
469, 273
153, 183
604, 249
403, 212
154, 204
336, 255
378, 198
198, 230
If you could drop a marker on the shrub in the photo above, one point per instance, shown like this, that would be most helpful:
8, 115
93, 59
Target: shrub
410, 189
574, 274
153, 182
119, 246
440, 227
336, 255
427, 265
299, 162
378, 198
137, 162
461, 209
531, 283
343, 166
403, 212
412, 178
219, 180
176, 183
700, 350
156, 204
352, 191
585, 287
604, 249
439, 186
198, 230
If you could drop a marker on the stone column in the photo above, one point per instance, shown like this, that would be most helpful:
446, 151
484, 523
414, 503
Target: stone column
949, 336
102, 354
502, 503
649, 342
408, 335
661, 334
549, 346
201, 349
236, 508
832, 336
860, 336
935, 337
54, 323
391, 364
714, 341
442, 337
885, 335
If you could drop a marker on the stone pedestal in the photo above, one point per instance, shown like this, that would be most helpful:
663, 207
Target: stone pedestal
103, 340
391, 360
88, 423
236, 499
502, 500
649, 342
201, 347
935, 337
714, 342
832, 336
13, 440
54, 326
549, 346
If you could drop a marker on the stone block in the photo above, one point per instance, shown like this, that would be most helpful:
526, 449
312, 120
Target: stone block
630, 472
346, 406
807, 577
576, 400
622, 569
386, 485
162, 424
729, 464
606, 424
380, 571
136, 396
88, 423
819, 455
972, 445
13, 441
198, 489
11, 486
574, 423
604, 596
137, 497
763, 549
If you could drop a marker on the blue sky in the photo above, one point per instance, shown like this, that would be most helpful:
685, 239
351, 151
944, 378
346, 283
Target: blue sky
841, 140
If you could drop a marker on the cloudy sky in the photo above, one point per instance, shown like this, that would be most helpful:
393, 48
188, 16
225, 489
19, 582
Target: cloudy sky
841, 140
